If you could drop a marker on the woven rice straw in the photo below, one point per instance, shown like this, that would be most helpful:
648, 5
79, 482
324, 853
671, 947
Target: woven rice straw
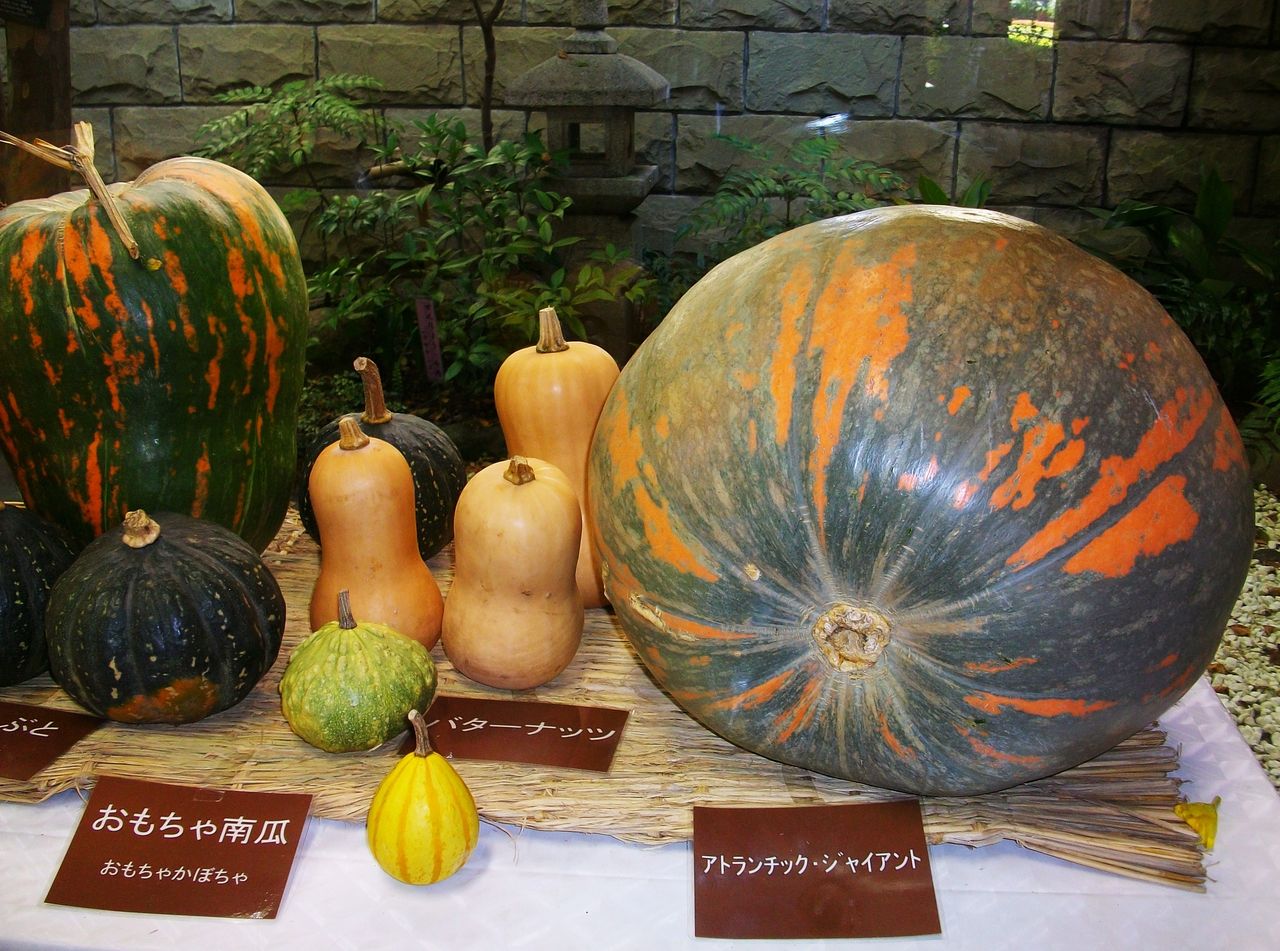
1113, 813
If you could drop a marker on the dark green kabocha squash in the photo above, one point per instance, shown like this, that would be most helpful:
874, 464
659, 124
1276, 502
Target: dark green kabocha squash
33, 553
434, 460
165, 619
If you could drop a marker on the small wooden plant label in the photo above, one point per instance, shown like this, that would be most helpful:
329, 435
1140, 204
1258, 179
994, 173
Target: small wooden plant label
164, 849
33, 737
521, 731
859, 870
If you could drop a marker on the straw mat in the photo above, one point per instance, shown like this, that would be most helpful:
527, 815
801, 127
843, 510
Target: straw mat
1113, 813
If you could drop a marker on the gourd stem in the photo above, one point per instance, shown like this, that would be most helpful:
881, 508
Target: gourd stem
550, 333
78, 157
422, 742
519, 471
346, 620
375, 403
350, 435
140, 529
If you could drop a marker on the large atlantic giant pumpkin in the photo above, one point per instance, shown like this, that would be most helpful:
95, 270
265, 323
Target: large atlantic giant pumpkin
168, 381
926, 498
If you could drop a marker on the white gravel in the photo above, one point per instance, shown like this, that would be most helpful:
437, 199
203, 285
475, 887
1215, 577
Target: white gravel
1246, 672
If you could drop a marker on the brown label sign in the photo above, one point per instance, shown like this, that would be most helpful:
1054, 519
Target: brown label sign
33, 737
163, 849
846, 871
521, 731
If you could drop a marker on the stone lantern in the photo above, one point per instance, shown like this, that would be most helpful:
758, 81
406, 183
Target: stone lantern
590, 93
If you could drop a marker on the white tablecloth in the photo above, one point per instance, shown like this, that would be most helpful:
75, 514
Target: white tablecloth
565, 891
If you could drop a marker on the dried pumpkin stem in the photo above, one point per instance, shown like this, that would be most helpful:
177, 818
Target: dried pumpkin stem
851, 638
550, 333
350, 435
78, 157
375, 401
421, 741
140, 529
519, 471
346, 620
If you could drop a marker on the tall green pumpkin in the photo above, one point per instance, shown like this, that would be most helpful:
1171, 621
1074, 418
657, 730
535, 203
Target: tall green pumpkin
169, 381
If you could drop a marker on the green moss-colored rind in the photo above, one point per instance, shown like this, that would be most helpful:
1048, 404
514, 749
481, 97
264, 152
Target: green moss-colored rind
960, 423
352, 689
170, 382
33, 554
439, 474
171, 632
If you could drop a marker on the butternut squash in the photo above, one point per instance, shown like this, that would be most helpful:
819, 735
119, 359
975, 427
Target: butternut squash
514, 617
548, 398
362, 494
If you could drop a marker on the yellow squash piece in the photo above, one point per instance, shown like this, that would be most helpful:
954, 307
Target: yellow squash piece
422, 823
1202, 817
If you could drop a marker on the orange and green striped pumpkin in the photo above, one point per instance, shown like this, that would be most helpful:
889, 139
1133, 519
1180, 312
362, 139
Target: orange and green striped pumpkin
926, 498
169, 382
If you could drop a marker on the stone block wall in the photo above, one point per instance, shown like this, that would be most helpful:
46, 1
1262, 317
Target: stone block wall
1127, 99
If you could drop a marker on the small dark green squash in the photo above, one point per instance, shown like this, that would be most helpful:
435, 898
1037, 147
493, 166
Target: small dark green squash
167, 618
350, 686
33, 553
434, 460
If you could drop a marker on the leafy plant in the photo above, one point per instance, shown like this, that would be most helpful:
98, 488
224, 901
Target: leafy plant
769, 195
810, 182
274, 132
475, 233
1223, 293
974, 196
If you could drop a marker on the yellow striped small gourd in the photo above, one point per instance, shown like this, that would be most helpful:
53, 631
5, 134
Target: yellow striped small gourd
422, 823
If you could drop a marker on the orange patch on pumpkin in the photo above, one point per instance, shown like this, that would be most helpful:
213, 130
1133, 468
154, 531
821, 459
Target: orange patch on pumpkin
793, 301
1165, 662
1045, 707
899, 750
1037, 462
987, 751
755, 696
1023, 410
184, 700
22, 268
859, 330
958, 397
91, 504
665, 542
800, 714
1174, 428
1162, 519
997, 667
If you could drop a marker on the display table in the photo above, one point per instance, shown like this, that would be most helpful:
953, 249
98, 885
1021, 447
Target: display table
527, 889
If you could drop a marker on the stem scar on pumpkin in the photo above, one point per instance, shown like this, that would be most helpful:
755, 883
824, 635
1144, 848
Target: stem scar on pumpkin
851, 638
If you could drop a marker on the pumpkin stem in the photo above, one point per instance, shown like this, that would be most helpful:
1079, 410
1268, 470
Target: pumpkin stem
851, 638
375, 403
550, 333
140, 529
346, 620
350, 435
519, 471
422, 742
78, 157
